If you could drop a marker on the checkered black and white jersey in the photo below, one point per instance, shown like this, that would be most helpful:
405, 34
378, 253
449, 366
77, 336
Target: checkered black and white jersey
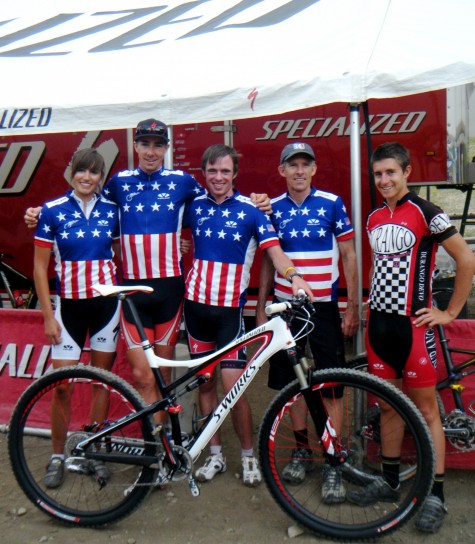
404, 244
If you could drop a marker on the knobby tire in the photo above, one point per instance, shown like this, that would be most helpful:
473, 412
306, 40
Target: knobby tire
81, 500
303, 501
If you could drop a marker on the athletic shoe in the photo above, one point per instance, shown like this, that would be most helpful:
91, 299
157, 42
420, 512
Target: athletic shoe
214, 464
432, 515
333, 490
99, 469
54, 476
378, 490
301, 463
251, 475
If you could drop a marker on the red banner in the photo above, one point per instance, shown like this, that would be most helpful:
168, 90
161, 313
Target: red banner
25, 356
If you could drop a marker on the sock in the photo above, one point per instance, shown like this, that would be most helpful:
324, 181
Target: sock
216, 450
438, 486
390, 467
301, 438
57, 456
247, 453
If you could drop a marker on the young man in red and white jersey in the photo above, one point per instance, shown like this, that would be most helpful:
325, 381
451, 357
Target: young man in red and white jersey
404, 234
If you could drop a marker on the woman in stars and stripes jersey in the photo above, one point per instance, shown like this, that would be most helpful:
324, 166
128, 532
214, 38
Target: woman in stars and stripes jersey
80, 228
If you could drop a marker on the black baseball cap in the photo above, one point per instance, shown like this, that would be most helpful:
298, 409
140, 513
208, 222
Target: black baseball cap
153, 128
296, 148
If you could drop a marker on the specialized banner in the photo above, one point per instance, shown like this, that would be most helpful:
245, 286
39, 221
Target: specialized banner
25, 356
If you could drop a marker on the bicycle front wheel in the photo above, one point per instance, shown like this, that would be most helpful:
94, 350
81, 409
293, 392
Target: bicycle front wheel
56, 413
298, 489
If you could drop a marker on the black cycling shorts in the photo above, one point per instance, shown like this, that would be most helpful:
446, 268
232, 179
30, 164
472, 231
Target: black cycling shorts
326, 345
210, 328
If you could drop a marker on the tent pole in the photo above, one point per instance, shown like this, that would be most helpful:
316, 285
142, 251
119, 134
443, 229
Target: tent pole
355, 155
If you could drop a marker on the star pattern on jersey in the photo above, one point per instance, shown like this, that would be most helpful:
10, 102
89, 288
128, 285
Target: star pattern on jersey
285, 218
155, 186
226, 213
64, 217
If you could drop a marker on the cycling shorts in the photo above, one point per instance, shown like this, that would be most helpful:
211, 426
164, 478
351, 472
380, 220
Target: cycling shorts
98, 316
210, 328
397, 349
326, 345
160, 311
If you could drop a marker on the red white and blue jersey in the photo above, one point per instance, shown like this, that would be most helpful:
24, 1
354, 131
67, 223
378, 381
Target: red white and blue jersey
309, 233
151, 212
82, 246
225, 238
404, 244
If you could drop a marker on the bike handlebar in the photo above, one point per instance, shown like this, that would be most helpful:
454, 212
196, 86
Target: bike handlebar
296, 303
277, 308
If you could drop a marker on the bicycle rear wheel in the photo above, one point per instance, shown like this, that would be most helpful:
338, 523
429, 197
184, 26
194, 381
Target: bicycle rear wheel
303, 501
82, 499
367, 422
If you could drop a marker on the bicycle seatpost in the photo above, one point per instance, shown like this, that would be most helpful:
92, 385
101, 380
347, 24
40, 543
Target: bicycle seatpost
135, 317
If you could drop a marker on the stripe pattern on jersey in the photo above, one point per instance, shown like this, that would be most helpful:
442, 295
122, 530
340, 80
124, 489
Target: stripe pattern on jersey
225, 238
151, 255
82, 245
151, 212
309, 233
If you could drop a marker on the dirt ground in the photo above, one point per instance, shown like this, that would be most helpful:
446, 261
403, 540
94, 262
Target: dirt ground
225, 512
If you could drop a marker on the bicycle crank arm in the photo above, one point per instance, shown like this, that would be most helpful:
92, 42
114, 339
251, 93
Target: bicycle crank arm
194, 489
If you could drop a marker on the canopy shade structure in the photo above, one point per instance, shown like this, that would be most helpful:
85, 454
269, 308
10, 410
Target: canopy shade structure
96, 64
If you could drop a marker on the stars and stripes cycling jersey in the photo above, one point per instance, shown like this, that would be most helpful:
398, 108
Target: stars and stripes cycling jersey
225, 238
404, 244
151, 211
82, 245
309, 233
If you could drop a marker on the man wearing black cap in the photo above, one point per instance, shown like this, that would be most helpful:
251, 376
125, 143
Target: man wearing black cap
151, 200
314, 229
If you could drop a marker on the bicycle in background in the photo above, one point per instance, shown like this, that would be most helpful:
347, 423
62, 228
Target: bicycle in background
458, 423
19, 288
141, 454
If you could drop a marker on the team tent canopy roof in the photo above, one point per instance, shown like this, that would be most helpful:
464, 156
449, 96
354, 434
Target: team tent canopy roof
97, 64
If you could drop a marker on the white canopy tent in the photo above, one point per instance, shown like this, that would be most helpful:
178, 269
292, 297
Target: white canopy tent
97, 64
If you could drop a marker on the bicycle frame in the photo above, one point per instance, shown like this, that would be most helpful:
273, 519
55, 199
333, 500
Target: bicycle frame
274, 336
455, 372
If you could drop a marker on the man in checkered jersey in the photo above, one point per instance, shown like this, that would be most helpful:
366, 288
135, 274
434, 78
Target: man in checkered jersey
404, 234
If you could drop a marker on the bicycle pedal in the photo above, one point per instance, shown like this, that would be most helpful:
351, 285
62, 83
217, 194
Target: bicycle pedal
78, 466
161, 480
194, 489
